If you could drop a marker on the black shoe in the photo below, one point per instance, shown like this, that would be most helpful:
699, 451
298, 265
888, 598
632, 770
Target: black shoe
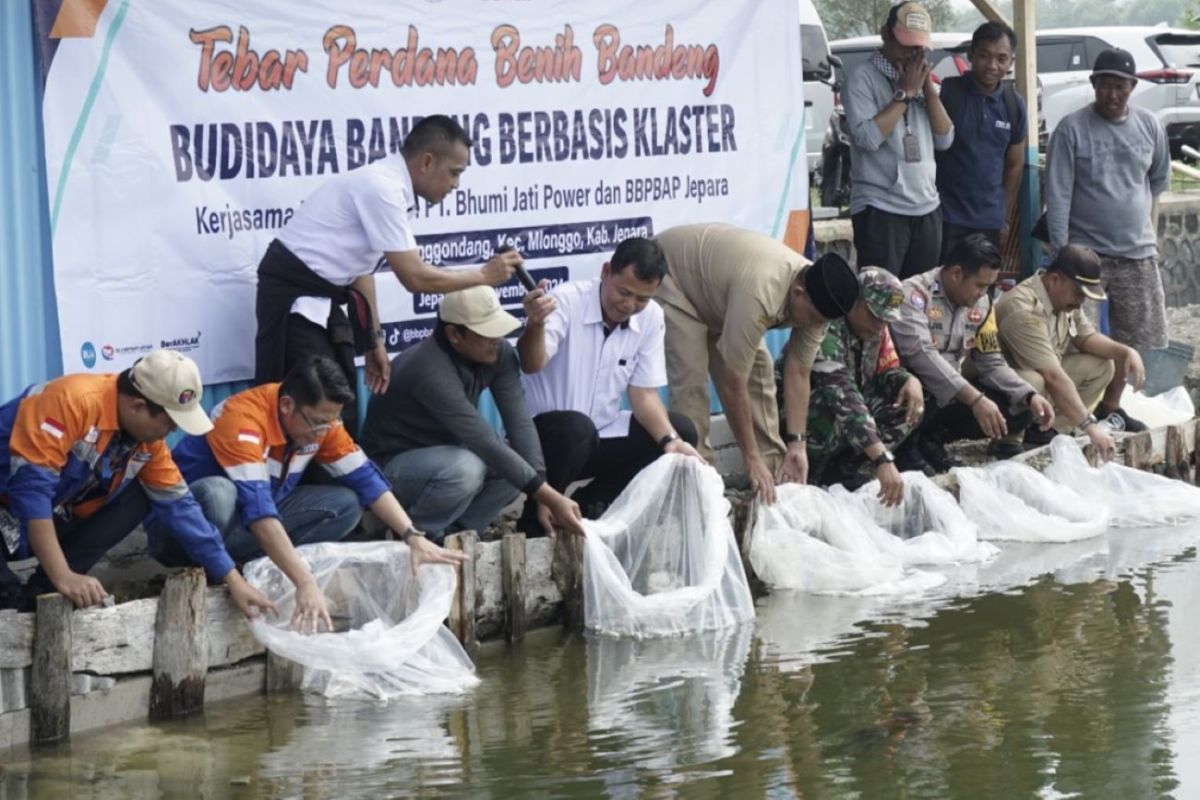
1002, 448
934, 452
1120, 421
1036, 437
848, 471
16, 597
910, 459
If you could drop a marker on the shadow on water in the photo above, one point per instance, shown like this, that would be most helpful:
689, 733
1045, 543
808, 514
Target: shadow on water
1052, 671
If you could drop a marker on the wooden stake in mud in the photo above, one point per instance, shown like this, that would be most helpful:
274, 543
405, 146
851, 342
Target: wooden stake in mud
512, 570
462, 613
567, 569
1176, 455
50, 694
1138, 449
180, 647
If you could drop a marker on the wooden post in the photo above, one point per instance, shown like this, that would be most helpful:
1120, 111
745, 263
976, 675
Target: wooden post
283, 675
1177, 462
180, 646
50, 694
462, 613
567, 569
1030, 197
743, 513
512, 570
1138, 449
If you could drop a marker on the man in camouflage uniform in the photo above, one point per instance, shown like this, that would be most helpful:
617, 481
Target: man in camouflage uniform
947, 319
863, 403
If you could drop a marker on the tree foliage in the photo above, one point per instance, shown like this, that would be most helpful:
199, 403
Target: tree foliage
846, 18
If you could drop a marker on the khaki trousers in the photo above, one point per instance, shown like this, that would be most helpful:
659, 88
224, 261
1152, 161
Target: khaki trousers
1090, 374
691, 352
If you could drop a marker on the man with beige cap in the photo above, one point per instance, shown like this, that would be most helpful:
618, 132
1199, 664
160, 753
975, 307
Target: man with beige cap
83, 460
446, 464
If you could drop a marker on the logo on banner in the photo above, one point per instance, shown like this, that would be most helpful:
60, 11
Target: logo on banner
87, 354
109, 352
184, 345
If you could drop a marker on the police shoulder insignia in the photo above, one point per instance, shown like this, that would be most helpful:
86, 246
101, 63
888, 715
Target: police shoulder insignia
916, 300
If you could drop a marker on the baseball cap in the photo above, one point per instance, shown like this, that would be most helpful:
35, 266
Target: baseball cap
172, 380
479, 310
1082, 265
882, 293
911, 25
1115, 61
830, 284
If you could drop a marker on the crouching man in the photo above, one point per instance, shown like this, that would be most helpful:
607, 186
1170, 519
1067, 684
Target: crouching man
863, 404
1041, 319
83, 461
246, 473
947, 337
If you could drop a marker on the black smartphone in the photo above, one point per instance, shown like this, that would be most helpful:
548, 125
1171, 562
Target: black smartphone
522, 274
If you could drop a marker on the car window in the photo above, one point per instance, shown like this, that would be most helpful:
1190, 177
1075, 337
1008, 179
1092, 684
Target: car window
1177, 49
814, 52
945, 66
1094, 48
1061, 55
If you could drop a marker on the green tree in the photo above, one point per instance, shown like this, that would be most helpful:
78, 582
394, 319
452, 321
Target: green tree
846, 18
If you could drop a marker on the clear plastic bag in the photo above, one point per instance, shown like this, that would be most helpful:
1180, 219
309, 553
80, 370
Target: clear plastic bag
1172, 407
1015, 502
663, 560
390, 640
1134, 498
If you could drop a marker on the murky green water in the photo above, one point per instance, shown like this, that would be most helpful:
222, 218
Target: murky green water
1055, 671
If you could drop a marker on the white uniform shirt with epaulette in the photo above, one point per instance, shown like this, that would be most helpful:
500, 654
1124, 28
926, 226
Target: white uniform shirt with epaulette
934, 337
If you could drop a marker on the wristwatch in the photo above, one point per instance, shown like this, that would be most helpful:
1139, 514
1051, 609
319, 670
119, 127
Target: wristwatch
1088, 421
408, 534
885, 457
795, 438
900, 96
666, 440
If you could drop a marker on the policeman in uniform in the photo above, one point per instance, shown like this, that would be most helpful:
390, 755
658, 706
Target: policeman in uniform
1041, 318
945, 319
863, 403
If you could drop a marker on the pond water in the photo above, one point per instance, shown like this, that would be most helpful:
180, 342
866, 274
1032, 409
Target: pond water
1053, 671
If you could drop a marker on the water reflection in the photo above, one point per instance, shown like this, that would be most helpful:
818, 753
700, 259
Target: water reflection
1052, 671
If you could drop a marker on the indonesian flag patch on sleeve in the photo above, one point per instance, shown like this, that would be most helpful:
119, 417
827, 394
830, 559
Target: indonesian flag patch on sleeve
248, 435
53, 427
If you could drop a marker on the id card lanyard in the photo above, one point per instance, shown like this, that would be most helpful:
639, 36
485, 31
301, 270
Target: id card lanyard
912, 147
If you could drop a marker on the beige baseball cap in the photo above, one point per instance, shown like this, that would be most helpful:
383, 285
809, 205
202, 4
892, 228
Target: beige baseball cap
172, 380
479, 310
911, 25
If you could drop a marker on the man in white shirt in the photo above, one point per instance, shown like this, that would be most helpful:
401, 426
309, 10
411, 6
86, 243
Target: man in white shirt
327, 254
585, 346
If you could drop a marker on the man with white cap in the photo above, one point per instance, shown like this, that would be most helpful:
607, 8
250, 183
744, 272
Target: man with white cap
446, 464
896, 121
83, 460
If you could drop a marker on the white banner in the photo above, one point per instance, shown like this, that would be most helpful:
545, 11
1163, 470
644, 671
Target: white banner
180, 137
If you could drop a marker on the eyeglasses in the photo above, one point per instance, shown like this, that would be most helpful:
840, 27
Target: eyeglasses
314, 428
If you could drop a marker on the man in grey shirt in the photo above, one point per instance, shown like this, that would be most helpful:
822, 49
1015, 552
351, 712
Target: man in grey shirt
1106, 165
447, 466
896, 121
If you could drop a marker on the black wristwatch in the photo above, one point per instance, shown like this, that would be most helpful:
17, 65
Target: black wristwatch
795, 438
666, 440
885, 457
408, 534
901, 96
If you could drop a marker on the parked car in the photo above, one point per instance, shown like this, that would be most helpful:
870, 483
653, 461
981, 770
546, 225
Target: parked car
1168, 63
818, 73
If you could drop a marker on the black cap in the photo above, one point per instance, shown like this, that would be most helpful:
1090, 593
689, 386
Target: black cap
1082, 265
831, 285
1115, 61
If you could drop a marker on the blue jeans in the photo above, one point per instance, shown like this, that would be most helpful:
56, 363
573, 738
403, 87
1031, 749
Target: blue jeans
447, 488
310, 514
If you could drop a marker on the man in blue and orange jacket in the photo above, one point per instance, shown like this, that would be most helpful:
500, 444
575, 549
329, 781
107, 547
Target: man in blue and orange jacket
82, 461
246, 474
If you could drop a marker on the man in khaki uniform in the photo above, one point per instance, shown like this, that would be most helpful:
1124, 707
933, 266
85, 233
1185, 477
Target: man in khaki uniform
725, 288
1041, 319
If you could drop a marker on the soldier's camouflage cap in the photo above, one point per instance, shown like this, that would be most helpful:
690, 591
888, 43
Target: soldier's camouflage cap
882, 293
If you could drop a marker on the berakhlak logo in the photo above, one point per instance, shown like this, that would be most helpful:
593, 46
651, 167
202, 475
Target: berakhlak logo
109, 352
88, 354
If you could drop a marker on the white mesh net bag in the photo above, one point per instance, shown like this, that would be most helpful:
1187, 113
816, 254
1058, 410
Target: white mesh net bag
390, 639
1015, 502
663, 561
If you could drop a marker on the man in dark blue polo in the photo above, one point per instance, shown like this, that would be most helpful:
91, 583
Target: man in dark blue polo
979, 176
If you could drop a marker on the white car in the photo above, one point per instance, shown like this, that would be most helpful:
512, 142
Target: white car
1168, 65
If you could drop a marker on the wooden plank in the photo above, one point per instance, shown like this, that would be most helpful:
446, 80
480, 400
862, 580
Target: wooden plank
512, 566
229, 636
16, 639
1176, 456
567, 569
115, 640
180, 646
462, 613
282, 675
989, 11
50, 691
1138, 449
